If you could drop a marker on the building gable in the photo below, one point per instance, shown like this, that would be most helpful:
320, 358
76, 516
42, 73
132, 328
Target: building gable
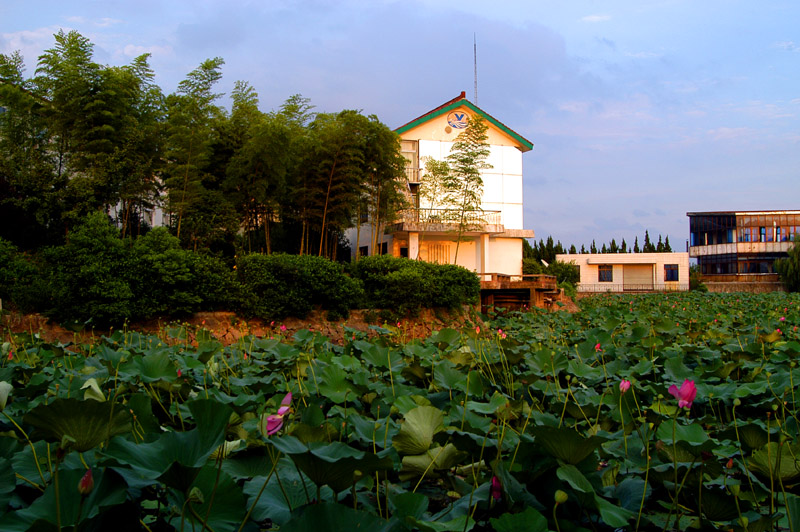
448, 120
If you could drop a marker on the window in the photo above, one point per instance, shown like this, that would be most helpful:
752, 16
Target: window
605, 273
363, 251
670, 272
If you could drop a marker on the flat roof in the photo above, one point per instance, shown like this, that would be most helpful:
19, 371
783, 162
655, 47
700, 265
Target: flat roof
749, 213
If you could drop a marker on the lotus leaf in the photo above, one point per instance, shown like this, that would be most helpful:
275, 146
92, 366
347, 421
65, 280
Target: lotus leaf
417, 430
88, 423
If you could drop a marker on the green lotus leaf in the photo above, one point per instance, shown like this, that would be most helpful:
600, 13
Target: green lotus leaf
613, 515
692, 434
408, 504
93, 390
446, 376
151, 367
334, 464
528, 521
417, 430
434, 459
175, 457
719, 505
109, 491
5, 391
88, 423
222, 511
565, 443
572, 476
783, 460
332, 517
279, 496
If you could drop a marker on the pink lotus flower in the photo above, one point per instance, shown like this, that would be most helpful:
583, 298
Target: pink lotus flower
624, 385
275, 421
86, 483
782, 318
597, 347
283, 328
10, 355
497, 488
685, 395
477, 329
179, 372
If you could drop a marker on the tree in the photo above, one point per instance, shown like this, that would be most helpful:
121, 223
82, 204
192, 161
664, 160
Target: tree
660, 245
623, 248
648, 246
467, 159
636, 245
613, 248
384, 167
527, 250
593, 248
30, 190
572, 250
788, 268
258, 169
667, 247
190, 114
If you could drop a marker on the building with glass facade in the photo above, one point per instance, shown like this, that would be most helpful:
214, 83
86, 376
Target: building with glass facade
741, 242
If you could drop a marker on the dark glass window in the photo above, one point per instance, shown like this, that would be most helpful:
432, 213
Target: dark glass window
605, 273
670, 272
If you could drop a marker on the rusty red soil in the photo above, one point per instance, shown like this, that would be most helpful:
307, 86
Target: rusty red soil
229, 328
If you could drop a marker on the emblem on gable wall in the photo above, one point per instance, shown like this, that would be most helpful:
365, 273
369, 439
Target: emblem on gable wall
458, 119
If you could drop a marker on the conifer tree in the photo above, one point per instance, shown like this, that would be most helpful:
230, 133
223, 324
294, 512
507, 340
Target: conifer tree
636, 245
623, 247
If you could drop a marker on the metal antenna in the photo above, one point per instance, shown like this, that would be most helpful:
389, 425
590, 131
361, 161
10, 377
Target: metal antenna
475, 64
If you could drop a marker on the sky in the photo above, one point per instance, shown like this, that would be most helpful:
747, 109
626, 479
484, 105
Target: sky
639, 111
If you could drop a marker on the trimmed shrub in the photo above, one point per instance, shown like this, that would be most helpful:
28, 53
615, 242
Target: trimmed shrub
20, 283
277, 286
406, 286
171, 281
90, 275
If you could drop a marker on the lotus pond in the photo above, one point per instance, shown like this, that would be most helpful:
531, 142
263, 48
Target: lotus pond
648, 412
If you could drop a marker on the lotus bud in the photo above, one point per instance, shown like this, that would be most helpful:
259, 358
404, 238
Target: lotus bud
561, 496
86, 483
195, 495
737, 402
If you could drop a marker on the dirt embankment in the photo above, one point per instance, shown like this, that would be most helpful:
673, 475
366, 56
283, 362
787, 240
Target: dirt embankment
229, 328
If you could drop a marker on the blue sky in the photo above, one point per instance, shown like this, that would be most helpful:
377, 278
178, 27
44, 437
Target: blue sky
639, 111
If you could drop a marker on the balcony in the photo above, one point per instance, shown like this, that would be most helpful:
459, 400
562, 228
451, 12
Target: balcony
448, 221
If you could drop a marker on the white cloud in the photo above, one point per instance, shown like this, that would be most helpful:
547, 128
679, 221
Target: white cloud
596, 18
133, 50
729, 133
789, 46
642, 55
105, 22
30, 43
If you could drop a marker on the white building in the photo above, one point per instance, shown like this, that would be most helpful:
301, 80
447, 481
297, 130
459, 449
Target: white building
630, 272
493, 243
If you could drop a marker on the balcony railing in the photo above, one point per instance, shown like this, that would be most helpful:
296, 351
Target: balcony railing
675, 286
412, 174
476, 218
